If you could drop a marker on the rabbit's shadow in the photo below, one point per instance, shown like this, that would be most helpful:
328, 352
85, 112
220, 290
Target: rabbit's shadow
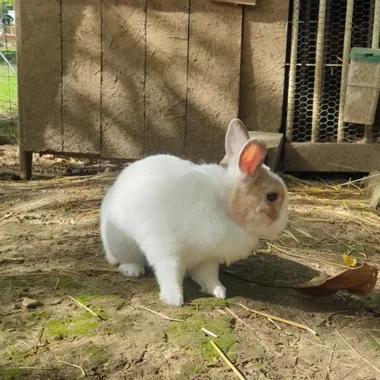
265, 277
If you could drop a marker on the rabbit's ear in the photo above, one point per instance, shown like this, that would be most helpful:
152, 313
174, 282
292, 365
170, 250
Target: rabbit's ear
237, 135
252, 156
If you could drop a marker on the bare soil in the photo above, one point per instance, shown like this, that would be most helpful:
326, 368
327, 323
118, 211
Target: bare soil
50, 250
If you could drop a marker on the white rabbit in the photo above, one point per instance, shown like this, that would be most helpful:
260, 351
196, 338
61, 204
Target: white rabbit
181, 216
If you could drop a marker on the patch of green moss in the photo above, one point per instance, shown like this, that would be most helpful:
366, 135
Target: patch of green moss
189, 336
68, 282
13, 373
209, 302
81, 324
15, 354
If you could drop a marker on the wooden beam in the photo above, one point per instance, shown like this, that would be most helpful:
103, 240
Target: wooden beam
39, 74
331, 157
237, 2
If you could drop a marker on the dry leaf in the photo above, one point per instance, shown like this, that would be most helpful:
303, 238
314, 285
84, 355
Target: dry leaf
359, 281
349, 260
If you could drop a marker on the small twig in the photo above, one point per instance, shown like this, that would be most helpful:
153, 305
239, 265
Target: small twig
48, 346
286, 321
277, 326
38, 338
283, 302
358, 180
160, 315
56, 284
11, 259
356, 352
61, 272
228, 362
74, 365
207, 332
37, 368
6, 216
328, 368
87, 308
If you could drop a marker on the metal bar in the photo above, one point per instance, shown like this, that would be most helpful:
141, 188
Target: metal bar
375, 45
7, 62
376, 26
292, 70
318, 71
345, 67
304, 51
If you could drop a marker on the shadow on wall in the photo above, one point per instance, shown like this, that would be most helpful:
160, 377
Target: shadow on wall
263, 59
122, 99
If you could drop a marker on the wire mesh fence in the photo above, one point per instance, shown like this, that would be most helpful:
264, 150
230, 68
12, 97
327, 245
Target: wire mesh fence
8, 73
334, 33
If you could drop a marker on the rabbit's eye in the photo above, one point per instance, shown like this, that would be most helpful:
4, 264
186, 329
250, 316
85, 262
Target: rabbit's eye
272, 197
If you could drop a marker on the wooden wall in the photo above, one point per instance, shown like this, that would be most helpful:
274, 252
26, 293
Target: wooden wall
126, 78
263, 64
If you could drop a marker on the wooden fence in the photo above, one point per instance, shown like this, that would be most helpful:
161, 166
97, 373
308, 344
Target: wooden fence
127, 78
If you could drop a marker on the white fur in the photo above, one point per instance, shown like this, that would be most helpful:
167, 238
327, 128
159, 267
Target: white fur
173, 213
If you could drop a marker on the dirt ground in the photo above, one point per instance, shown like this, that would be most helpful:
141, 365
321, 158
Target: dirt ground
50, 252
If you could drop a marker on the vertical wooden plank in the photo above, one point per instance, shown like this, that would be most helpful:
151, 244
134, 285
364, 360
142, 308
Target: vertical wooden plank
214, 77
81, 29
39, 74
123, 78
263, 64
166, 76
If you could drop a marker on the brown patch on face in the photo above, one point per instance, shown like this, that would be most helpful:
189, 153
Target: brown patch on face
249, 205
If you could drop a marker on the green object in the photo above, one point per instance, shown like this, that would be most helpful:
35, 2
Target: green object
365, 54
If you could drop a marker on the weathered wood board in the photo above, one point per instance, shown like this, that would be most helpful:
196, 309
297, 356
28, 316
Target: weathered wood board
263, 65
213, 77
81, 59
123, 78
331, 157
128, 78
39, 74
166, 76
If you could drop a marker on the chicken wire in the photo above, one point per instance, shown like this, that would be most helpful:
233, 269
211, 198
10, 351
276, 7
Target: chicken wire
8, 74
303, 93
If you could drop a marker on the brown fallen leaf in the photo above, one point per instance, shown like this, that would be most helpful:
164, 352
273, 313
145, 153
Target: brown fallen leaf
358, 281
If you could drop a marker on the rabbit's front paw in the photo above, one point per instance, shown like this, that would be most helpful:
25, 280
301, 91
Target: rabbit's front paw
219, 291
132, 270
172, 298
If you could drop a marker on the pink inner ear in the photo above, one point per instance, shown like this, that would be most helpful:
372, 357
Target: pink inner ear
252, 157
